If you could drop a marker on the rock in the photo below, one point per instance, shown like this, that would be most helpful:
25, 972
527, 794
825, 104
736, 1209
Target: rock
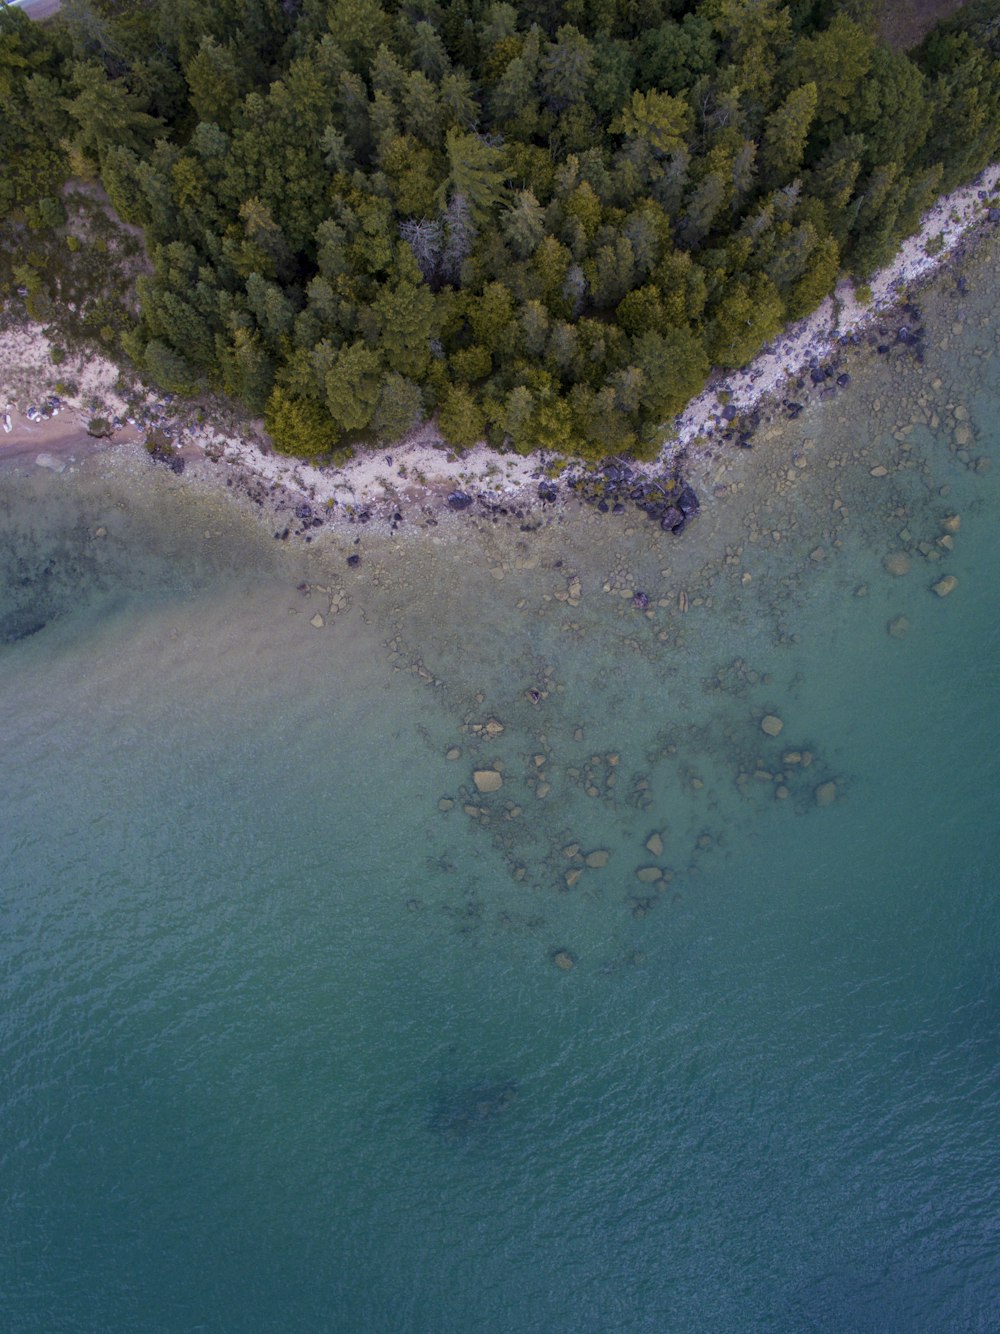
781, 792
493, 728
771, 725
649, 875
879, 471
898, 563
100, 532
792, 757
598, 858
654, 845
899, 627
454, 753
445, 804
951, 523
572, 876
542, 790
826, 793
945, 586
487, 780
317, 622
571, 850
640, 601
354, 560
459, 500
564, 960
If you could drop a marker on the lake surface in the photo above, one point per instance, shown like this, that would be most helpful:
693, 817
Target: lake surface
300, 1031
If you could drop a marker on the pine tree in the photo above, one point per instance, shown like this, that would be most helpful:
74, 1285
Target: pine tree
785, 133
353, 385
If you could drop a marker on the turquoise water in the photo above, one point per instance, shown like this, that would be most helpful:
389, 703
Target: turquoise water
284, 1044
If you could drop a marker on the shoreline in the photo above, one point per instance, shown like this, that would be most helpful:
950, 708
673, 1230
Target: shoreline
413, 479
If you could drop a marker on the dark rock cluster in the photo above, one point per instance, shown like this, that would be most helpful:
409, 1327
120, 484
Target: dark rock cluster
616, 487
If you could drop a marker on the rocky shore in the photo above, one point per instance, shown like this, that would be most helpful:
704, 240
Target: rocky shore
54, 415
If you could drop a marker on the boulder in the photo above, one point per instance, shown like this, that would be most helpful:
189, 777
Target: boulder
487, 780
649, 875
771, 724
898, 627
826, 793
598, 858
654, 845
897, 563
945, 586
563, 960
459, 500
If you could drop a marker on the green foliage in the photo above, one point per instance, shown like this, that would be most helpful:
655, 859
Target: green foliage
461, 419
353, 385
546, 221
299, 426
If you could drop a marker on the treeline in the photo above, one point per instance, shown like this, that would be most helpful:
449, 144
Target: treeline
543, 221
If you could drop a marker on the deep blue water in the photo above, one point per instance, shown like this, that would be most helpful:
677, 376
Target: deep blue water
282, 1043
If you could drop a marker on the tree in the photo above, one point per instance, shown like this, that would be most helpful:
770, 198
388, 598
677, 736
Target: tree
215, 82
106, 114
353, 385
299, 426
656, 119
405, 321
168, 368
523, 223
399, 408
474, 172
749, 313
836, 60
461, 419
567, 69
785, 133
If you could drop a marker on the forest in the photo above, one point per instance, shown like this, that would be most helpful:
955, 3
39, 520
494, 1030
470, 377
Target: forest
544, 223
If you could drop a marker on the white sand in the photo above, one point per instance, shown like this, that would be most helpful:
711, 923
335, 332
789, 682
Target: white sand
423, 467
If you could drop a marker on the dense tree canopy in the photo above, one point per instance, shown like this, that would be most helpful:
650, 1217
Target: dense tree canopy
544, 221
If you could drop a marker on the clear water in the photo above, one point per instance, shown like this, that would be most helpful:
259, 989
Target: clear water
283, 1045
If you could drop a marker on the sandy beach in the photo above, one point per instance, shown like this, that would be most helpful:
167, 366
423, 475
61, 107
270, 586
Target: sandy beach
422, 470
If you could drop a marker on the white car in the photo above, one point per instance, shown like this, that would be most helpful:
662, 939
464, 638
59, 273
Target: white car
5, 422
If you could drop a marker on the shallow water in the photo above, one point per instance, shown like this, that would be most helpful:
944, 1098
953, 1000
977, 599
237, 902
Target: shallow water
284, 1043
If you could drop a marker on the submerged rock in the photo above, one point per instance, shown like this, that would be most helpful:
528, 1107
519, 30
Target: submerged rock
463, 1114
945, 586
771, 724
487, 780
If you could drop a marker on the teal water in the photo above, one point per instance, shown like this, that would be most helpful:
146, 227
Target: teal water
283, 1045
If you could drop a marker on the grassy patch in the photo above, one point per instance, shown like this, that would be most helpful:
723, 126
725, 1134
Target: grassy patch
77, 279
903, 24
